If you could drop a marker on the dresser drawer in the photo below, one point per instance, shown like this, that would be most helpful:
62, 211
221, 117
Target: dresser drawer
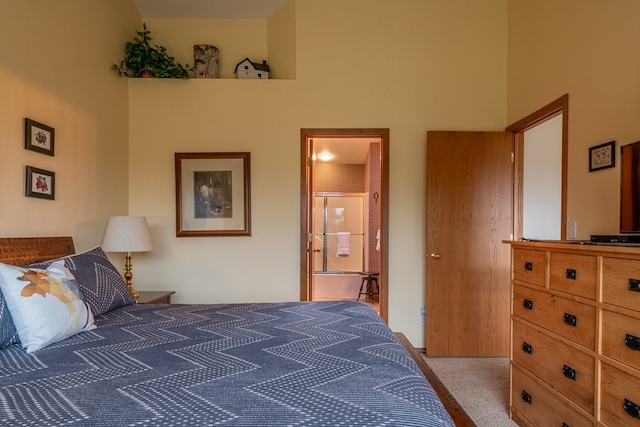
621, 338
539, 406
571, 319
565, 369
530, 266
620, 398
574, 274
621, 278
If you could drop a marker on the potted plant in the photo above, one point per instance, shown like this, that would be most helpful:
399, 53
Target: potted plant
143, 59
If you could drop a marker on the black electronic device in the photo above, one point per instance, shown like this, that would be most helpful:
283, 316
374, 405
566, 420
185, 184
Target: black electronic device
610, 238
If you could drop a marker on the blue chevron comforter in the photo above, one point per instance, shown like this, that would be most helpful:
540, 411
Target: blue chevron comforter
288, 364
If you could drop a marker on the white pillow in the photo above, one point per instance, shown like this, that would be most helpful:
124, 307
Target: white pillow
45, 305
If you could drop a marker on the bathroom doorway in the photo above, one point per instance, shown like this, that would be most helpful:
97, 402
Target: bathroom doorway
344, 214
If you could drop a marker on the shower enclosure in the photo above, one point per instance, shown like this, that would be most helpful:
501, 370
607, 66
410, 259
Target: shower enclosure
339, 244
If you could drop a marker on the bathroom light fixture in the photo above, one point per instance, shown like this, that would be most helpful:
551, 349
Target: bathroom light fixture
325, 156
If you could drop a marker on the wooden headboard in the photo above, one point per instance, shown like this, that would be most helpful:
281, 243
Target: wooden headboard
29, 250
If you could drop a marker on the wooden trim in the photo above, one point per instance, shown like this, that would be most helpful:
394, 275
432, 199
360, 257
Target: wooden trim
518, 184
549, 111
305, 190
545, 113
383, 287
459, 416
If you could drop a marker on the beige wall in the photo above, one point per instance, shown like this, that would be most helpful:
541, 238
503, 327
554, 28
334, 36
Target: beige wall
55, 69
281, 43
409, 65
588, 49
362, 63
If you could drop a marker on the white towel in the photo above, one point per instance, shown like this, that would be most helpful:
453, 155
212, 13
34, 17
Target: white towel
344, 243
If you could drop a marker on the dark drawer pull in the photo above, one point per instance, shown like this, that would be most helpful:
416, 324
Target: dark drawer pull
571, 274
631, 408
526, 397
570, 319
527, 303
528, 266
565, 425
632, 342
526, 347
634, 285
569, 372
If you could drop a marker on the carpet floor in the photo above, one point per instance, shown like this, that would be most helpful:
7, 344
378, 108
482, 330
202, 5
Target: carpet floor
480, 385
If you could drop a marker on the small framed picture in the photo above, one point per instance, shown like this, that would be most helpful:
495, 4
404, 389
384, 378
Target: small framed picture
40, 183
213, 194
39, 137
602, 156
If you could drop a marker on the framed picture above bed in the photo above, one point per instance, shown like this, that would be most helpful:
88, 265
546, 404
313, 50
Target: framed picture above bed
213, 194
39, 137
40, 183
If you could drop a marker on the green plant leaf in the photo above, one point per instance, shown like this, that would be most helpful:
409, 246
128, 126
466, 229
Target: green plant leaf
141, 55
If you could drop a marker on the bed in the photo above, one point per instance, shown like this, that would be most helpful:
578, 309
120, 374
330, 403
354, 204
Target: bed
260, 364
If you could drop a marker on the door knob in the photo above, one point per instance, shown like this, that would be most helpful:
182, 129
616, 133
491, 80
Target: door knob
435, 256
316, 250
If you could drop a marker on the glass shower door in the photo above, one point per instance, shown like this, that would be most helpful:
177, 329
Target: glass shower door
338, 233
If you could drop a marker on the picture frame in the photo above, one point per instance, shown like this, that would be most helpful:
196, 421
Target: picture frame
602, 156
40, 183
213, 194
39, 137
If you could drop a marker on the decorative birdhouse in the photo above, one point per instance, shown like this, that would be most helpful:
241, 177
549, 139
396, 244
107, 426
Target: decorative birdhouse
252, 70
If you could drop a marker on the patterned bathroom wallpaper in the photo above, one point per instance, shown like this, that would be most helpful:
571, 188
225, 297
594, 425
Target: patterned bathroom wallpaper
373, 186
338, 178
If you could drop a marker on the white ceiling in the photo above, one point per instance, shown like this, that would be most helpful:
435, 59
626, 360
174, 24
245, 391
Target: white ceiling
208, 9
350, 151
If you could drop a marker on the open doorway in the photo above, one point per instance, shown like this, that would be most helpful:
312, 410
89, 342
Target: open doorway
354, 181
557, 110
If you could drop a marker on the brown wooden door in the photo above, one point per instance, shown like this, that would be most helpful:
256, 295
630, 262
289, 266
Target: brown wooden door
469, 213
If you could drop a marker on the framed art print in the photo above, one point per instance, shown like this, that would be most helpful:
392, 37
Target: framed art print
602, 156
40, 183
39, 137
213, 194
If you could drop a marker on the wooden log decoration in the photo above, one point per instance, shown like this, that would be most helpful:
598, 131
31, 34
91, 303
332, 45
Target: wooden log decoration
205, 58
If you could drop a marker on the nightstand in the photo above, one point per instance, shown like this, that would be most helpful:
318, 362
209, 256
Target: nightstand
160, 297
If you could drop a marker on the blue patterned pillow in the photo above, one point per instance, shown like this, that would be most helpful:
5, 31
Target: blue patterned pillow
103, 286
46, 305
8, 333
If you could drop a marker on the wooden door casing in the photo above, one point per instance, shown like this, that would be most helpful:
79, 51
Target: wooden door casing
469, 214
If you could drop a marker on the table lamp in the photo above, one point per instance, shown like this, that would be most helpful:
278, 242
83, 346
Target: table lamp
127, 234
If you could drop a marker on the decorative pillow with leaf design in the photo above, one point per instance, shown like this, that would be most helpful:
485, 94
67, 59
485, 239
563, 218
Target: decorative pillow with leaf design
103, 287
46, 305
8, 333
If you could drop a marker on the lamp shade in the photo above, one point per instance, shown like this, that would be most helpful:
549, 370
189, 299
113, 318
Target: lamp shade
127, 234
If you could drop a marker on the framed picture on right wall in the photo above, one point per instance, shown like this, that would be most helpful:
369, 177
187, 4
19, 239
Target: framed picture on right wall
602, 156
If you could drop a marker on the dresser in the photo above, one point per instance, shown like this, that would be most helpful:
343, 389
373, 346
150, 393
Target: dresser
575, 334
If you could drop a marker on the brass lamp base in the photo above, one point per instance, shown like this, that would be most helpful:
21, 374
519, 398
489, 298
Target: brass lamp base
128, 275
